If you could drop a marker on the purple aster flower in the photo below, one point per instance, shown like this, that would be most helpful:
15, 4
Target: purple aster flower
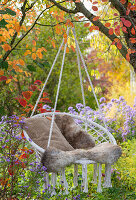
79, 106
102, 99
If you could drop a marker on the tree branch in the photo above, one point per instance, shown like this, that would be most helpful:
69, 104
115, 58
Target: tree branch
9, 52
63, 8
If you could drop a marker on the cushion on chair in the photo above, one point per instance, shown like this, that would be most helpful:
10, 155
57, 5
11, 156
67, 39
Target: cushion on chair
38, 130
74, 134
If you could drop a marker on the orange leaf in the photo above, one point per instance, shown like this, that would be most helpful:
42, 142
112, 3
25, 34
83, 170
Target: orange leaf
27, 52
107, 24
133, 31
6, 47
67, 50
95, 18
34, 56
1, 72
91, 28
111, 31
17, 27
21, 62
43, 49
53, 44
34, 43
33, 49
27, 94
86, 24
39, 54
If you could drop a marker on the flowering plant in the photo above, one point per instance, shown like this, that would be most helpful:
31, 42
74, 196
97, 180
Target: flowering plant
18, 167
119, 117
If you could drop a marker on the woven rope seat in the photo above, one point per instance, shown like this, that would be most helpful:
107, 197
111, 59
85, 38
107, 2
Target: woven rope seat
61, 139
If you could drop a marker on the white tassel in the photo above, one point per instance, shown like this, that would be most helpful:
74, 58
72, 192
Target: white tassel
75, 180
46, 185
84, 177
107, 183
99, 189
53, 182
95, 173
64, 181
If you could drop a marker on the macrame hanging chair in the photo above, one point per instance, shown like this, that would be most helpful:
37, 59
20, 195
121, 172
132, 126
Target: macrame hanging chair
100, 133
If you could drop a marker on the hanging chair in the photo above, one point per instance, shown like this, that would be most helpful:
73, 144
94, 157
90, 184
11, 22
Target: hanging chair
51, 134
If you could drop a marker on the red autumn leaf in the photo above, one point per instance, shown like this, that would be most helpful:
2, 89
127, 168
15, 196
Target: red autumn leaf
10, 170
73, 49
45, 94
127, 23
115, 23
80, 17
127, 57
127, 12
124, 29
117, 30
94, 8
123, 1
104, 0
133, 40
122, 19
133, 31
42, 110
86, 24
40, 105
38, 82
11, 77
91, 28
107, 24
33, 87
23, 136
45, 100
23, 156
27, 94
119, 45
111, 31
3, 78
22, 102
115, 14
95, 2
113, 43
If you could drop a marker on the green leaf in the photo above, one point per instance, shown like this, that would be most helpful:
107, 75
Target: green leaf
46, 64
31, 68
10, 12
3, 64
3, 23
2, 12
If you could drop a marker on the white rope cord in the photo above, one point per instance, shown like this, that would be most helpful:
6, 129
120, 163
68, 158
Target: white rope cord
47, 78
56, 100
90, 82
80, 76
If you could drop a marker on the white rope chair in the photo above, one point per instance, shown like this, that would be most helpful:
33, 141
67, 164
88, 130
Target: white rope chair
100, 133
